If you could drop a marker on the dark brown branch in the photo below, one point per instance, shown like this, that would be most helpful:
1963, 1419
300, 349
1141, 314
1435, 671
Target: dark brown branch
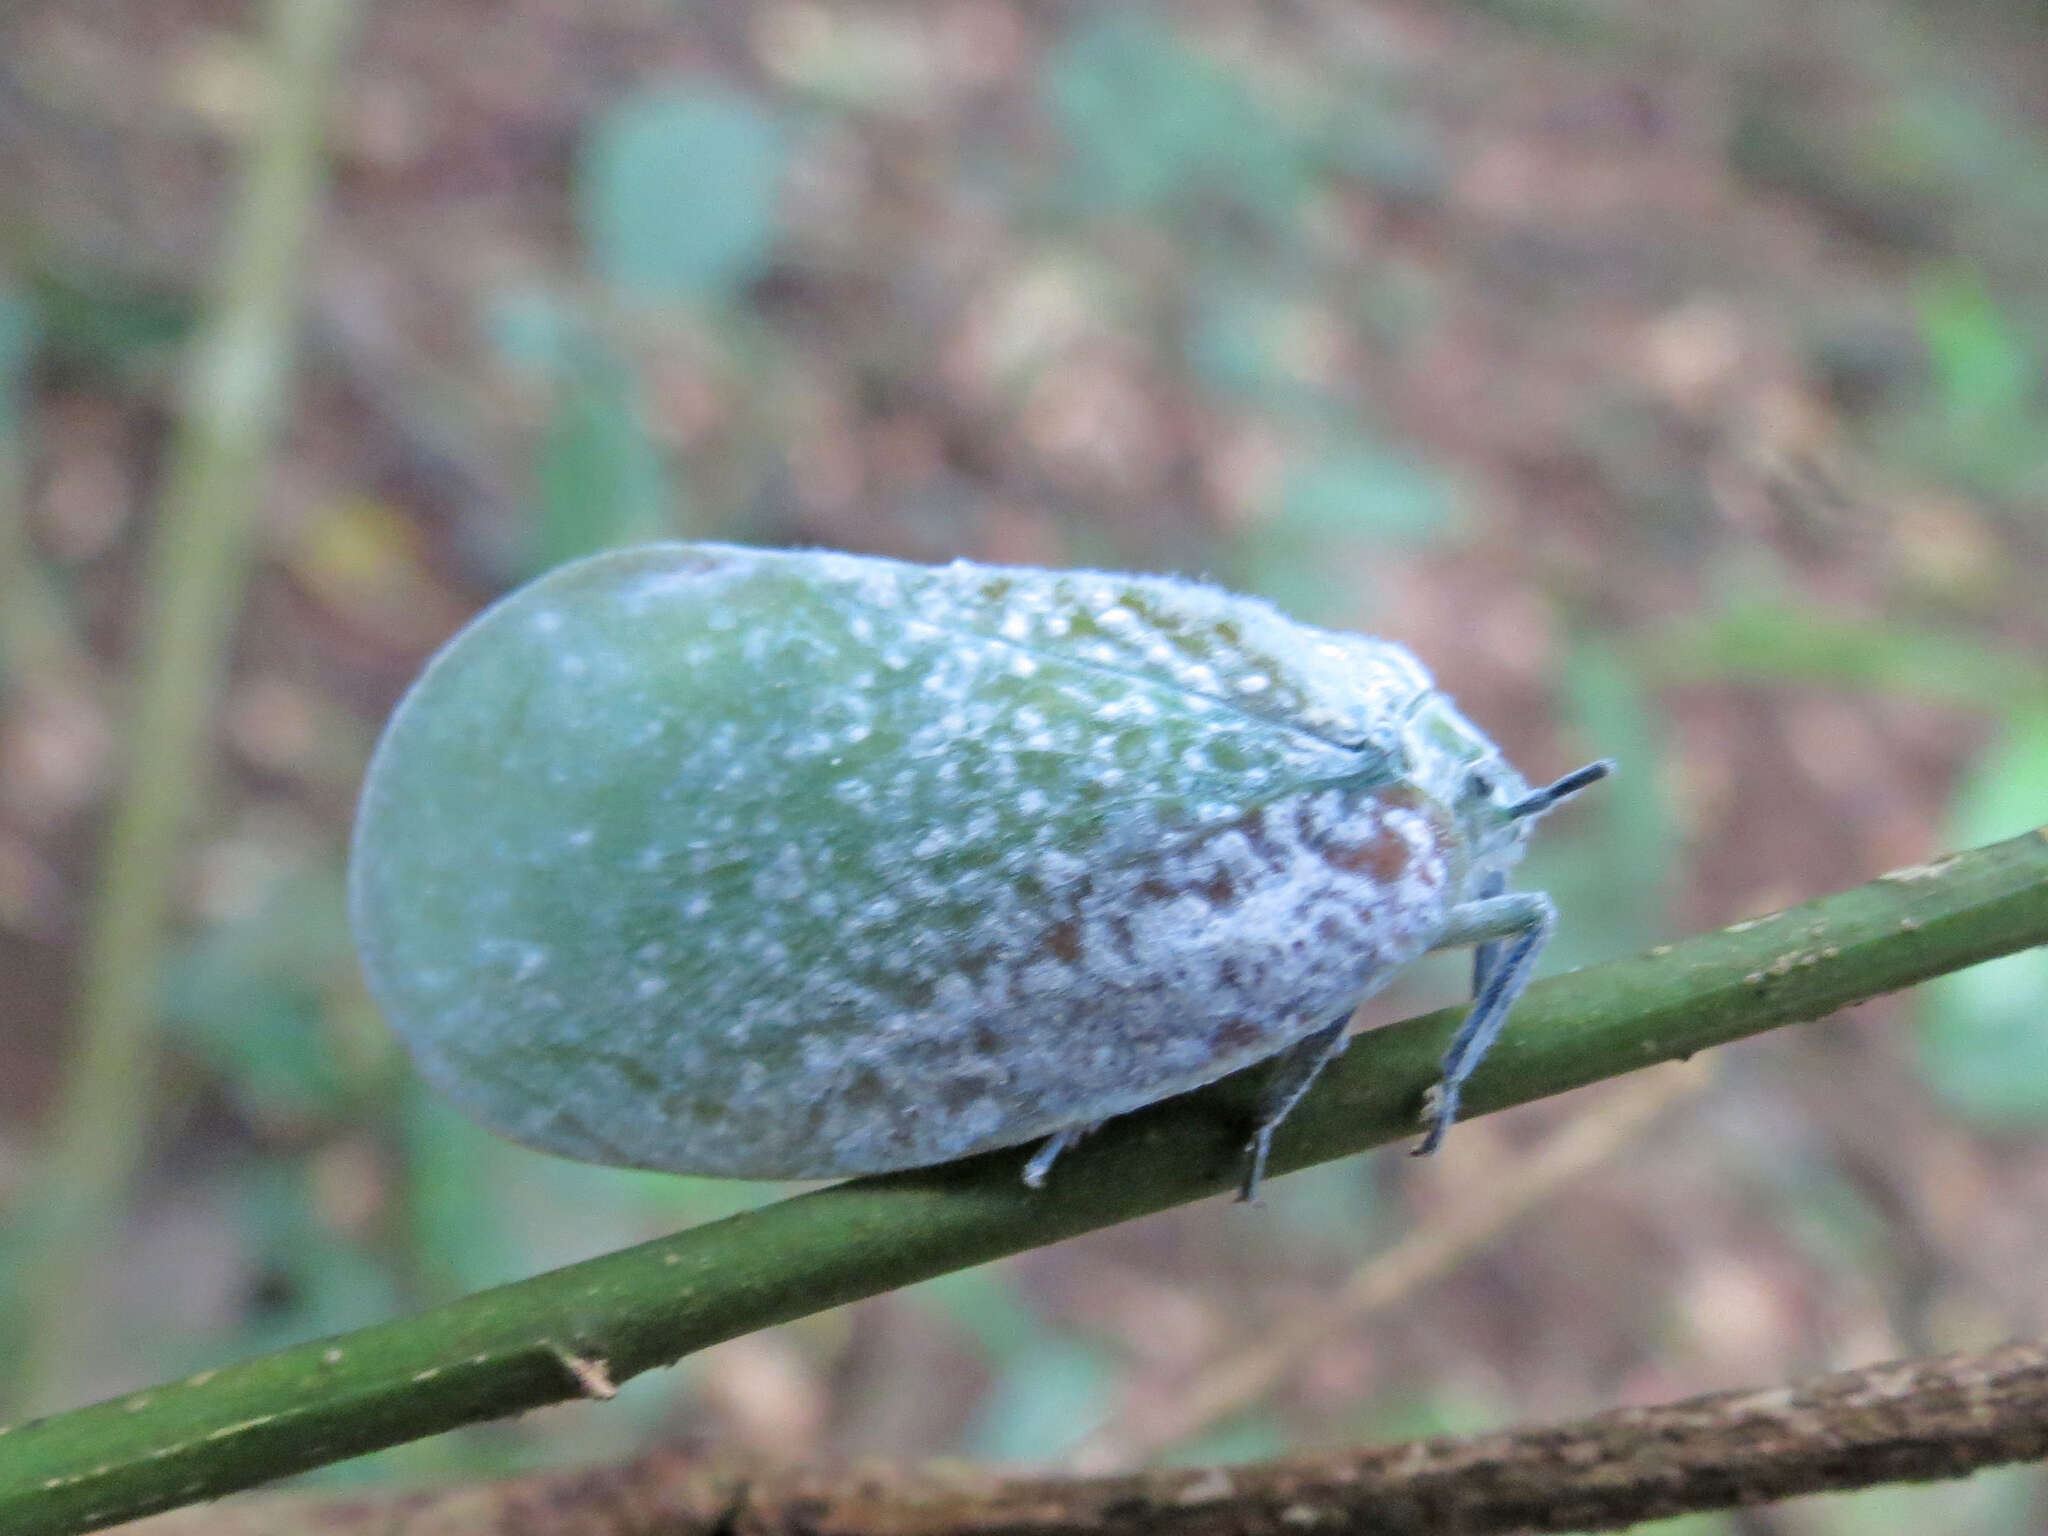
1908, 1421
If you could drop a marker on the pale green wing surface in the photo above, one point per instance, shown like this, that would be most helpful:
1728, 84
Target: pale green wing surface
1191, 638
685, 827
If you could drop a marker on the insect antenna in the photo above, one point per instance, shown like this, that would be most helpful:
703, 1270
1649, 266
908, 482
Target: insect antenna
1538, 801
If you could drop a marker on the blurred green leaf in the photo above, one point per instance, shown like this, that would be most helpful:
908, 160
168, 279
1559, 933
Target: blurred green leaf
252, 999
99, 320
601, 480
1254, 1437
2007, 793
486, 1210
307, 1281
1400, 154
529, 327
1984, 373
18, 1241
1339, 512
1446, 1410
1333, 1208
1987, 398
1836, 1224
676, 192
1959, 133
983, 1302
1984, 1031
1360, 490
1154, 127
1315, 582
20, 330
1400, 304
2004, 1501
1050, 1388
1689, 1525
1044, 1400
1791, 642
1241, 345
1607, 858
453, 1172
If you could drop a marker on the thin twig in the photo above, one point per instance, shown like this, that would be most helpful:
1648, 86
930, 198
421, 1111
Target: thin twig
1426, 1254
1908, 1421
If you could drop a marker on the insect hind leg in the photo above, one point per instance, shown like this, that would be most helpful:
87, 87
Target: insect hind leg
1293, 1070
1508, 933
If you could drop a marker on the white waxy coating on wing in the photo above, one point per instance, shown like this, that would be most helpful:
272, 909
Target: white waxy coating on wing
786, 865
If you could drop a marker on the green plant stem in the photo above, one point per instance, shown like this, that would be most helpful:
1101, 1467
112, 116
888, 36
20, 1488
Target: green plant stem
580, 1330
235, 392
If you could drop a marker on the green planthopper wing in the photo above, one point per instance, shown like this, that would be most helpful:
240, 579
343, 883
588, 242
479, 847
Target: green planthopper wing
798, 864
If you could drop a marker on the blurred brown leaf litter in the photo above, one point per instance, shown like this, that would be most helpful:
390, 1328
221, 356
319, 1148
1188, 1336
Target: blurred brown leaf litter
1670, 379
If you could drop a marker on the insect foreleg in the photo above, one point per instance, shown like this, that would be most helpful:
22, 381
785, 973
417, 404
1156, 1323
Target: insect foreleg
1508, 933
1486, 954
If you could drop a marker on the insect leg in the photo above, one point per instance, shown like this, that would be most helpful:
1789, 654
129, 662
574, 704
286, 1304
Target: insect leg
1509, 932
1293, 1070
1486, 953
1049, 1151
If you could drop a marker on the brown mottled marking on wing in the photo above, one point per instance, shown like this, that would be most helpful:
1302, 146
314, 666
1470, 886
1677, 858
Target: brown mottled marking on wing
957, 1093
1384, 858
1253, 827
1380, 853
1235, 1034
1121, 937
866, 1090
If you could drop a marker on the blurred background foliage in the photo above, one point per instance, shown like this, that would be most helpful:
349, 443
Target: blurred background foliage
1671, 378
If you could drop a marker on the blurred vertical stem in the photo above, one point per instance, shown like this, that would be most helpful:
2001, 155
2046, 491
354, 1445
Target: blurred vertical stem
234, 395
15, 577
34, 642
